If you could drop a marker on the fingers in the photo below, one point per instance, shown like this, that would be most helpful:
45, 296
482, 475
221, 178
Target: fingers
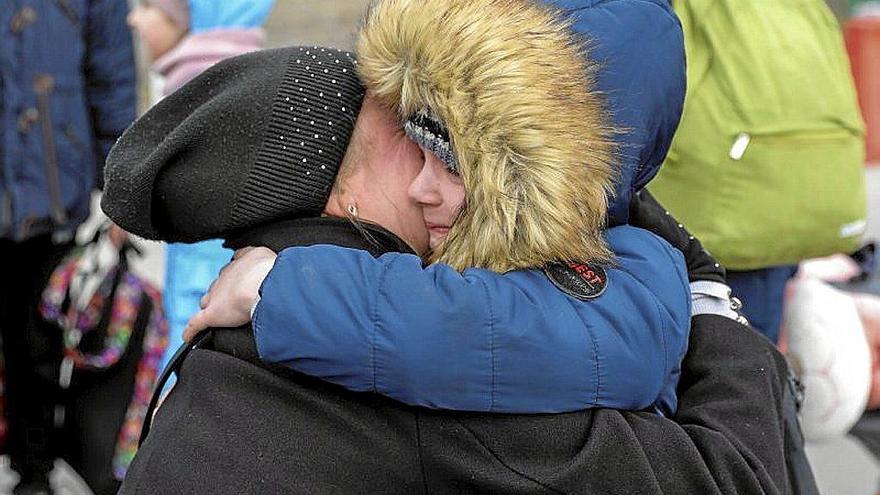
206, 299
241, 252
203, 302
228, 301
196, 324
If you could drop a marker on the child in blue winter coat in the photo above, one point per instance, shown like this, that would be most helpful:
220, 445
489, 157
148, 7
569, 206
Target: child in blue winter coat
562, 326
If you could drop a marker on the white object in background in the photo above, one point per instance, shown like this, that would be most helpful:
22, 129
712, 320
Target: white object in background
95, 263
834, 268
828, 349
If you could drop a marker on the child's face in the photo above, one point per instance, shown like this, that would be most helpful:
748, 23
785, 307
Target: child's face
440, 193
157, 31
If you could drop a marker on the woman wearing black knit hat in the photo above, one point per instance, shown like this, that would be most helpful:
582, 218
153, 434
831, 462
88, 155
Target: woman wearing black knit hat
250, 152
342, 371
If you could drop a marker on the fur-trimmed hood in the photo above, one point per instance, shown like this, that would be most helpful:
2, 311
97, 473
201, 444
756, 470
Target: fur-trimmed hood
510, 81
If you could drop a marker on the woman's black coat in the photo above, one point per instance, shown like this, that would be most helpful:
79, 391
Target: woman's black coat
235, 425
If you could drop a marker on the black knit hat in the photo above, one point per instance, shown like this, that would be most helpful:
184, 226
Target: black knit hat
254, 139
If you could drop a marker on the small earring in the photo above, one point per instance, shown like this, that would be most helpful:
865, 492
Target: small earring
353, 210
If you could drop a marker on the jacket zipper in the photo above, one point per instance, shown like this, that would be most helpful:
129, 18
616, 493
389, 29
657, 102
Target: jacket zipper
44, 85
796, 138
68, 12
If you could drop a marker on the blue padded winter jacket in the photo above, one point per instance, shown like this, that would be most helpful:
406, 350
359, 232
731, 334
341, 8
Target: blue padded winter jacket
639, 47
480, 341
67, 91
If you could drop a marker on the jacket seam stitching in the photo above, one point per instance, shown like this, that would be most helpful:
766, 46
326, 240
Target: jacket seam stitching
596, 352
491, 342
686, 287
419, 450
685, 282
379, 294
663, 326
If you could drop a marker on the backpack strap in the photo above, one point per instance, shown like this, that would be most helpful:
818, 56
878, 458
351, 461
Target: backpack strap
173, 367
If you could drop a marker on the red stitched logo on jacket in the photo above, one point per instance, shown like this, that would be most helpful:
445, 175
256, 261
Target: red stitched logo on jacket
583, 281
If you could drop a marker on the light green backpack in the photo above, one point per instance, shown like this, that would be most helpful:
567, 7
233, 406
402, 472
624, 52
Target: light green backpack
767, 167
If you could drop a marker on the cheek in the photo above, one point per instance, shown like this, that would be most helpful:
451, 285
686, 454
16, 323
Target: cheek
453, 199
408, 166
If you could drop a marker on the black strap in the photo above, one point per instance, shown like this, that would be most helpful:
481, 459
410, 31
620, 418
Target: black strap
799, 471
173, 367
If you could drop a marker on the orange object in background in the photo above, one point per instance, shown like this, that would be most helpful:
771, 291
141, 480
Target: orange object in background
863, 44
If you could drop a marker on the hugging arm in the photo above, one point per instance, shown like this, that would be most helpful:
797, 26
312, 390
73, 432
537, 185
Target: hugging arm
710, 293
736, 390
478, 340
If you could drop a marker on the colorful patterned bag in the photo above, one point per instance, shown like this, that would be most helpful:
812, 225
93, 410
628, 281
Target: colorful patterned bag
104, 309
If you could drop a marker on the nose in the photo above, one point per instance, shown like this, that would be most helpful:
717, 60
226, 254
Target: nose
424, 188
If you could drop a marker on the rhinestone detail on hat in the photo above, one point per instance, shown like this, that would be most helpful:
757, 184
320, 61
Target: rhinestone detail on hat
293, 180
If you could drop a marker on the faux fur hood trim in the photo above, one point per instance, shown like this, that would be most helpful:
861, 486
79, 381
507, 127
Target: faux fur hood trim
510, 81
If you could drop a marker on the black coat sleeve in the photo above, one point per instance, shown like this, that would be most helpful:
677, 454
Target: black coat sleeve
646, 213
728, 436
732, 405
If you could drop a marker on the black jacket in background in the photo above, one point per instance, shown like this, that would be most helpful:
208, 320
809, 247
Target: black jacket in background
235, 425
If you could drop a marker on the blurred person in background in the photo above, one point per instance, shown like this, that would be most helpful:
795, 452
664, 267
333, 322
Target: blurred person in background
183, 38
67, 91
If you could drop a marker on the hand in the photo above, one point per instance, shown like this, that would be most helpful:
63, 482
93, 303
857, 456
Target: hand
117, 235
230, 298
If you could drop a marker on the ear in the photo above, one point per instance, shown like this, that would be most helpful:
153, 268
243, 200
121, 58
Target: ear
335, 206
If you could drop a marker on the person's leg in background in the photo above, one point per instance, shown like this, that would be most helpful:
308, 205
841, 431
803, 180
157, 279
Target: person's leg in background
32, 353
762, 292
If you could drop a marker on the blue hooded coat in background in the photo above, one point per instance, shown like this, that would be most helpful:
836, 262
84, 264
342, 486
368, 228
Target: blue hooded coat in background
514, 343
67, 91
190, 268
